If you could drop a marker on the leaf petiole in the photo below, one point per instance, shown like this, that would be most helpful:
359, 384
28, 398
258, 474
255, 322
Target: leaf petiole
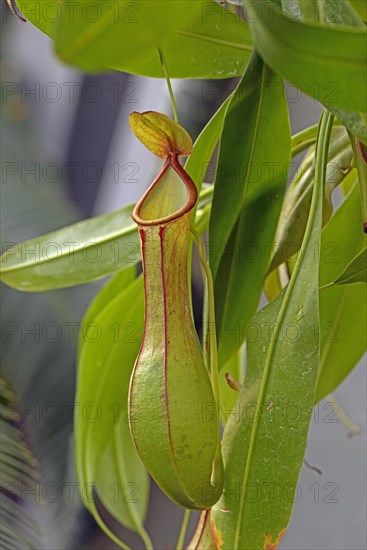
169, 85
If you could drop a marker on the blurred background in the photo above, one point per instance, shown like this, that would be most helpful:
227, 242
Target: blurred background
67, 154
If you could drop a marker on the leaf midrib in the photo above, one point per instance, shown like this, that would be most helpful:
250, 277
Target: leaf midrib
282, 313
215, 40
64, 251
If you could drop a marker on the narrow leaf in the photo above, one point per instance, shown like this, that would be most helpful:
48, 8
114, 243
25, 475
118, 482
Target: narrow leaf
343, 315
310, 55
276, 399
293, 218
76, 254
116, 284
355, 272
105, 453
197, 163
331, 12
250, 182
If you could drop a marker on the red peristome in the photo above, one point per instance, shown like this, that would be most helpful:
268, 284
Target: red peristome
192, 194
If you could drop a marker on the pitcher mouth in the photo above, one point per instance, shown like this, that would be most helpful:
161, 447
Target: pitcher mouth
191, 197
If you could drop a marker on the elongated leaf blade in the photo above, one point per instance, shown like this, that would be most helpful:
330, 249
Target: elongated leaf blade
210, 43
76, 254
215, 45
343, 314
118, 30
356, 271
117, 284
331, 12
280, 379
197, 163
296, 207
105, 453
326, 62
249, 187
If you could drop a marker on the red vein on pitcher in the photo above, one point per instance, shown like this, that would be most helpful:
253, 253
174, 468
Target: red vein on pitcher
170, 388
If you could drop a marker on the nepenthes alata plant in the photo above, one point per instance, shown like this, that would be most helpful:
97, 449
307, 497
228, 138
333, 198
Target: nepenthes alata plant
211, 421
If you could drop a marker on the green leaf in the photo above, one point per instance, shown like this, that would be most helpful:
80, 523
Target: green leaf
360, 161
108, 292
213, 43
276, 399
250, 182
355, 272
335, 12
328, 62
94, 248
74, 255
361, 8
354, 122
197, 163
228, 394
105, 453
117, 30
296, 207
343, 317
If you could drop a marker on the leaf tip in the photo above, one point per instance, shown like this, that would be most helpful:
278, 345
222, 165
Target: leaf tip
269, 545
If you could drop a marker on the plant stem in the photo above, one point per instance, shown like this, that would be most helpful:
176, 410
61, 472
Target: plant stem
169, 86
213, 352
182, 534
